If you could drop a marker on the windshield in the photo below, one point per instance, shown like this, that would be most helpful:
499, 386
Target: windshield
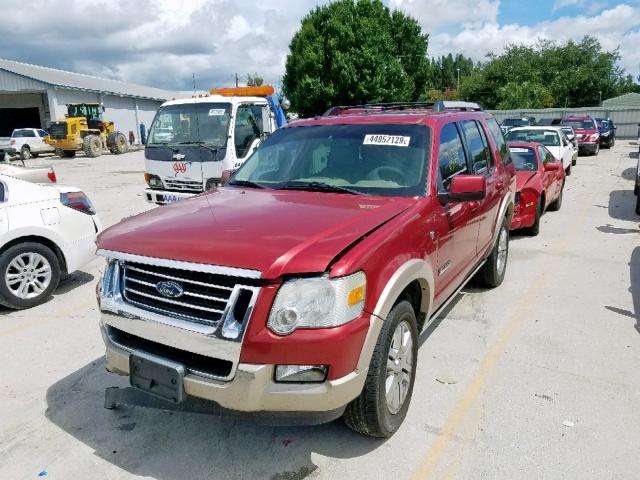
524, 158
548, 138
515, 122
376, 159
186, 123
568, 130
581, 124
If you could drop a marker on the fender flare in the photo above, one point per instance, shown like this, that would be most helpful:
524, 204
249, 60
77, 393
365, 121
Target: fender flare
507, 201
415, 269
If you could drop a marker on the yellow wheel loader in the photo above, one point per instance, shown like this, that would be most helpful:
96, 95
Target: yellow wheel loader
84, 129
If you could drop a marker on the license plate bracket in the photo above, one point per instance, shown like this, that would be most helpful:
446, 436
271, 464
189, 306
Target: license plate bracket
157, 376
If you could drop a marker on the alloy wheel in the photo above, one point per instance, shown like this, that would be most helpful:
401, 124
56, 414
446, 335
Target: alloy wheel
503, 246
28, 275
399, 367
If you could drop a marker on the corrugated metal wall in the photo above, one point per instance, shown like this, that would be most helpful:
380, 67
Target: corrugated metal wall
626, 119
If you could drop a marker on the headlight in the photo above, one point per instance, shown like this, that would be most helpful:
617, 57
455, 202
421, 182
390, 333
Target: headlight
595, 137
317, 302
108, 286
152, 180
212, 182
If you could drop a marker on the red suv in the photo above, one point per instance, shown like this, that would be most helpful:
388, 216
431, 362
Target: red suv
587, 133
301, 286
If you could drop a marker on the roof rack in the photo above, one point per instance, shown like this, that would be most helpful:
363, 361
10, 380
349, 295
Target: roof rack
437, 106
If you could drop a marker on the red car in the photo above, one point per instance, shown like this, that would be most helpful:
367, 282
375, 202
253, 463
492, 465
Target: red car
587, 133
539, 183
300, 286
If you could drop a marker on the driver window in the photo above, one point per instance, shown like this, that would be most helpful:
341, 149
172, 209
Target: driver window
248, 128
451, 158
549, 158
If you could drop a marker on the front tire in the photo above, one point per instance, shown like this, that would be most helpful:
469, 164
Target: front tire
568, 170
29, 273
92, 146
382, 406
492, 272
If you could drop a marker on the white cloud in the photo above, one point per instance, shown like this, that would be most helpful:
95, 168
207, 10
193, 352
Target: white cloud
162, 42
559, 4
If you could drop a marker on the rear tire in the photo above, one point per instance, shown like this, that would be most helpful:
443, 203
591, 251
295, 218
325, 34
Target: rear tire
92, 146
492, 272
378, 411
568, 170
29, 273
557, 203
25, 152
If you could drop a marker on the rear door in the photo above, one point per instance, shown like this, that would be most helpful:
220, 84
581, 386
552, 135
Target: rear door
551, 182
484, 211
457, 229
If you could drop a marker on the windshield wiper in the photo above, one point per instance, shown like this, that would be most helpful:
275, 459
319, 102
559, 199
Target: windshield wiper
247, 183
317, 187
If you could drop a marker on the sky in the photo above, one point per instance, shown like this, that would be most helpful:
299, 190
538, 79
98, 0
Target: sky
165, 43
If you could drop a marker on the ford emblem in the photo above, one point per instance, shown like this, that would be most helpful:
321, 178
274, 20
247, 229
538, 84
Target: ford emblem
169, 289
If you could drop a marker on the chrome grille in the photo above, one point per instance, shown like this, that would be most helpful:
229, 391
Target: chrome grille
203, 300
183, 185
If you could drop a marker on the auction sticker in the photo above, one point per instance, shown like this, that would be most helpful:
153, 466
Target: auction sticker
394, 140
519, 150
216, 112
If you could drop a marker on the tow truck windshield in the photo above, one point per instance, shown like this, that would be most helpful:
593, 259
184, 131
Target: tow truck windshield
191, 123
375, 159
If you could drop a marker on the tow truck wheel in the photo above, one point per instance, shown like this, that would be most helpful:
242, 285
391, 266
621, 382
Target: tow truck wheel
29, 273
382, 406
92, 146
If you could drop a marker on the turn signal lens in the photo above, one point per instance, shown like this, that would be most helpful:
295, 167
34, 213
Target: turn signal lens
356, 295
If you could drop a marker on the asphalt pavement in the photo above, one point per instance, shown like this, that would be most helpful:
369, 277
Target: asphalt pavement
538, 379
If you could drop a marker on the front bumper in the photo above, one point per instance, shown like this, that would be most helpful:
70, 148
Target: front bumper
590, 147
252, 388
163, 197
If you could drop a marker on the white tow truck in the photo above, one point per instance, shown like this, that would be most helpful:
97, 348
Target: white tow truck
192, 141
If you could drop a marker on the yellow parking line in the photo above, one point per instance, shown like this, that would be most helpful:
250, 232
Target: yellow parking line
433, 456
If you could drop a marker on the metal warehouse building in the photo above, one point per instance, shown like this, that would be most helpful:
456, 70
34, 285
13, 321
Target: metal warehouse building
34, 96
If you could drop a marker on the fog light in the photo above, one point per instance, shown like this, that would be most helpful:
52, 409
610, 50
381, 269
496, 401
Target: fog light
301, 373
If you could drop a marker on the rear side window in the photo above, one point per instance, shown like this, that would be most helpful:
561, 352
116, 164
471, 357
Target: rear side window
498, 137
23, 133
477, 144
451, 158
42, 133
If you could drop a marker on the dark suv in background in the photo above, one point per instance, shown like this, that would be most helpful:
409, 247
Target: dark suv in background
509, 123
607, 132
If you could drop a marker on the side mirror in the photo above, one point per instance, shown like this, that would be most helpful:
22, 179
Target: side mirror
552, 167
465, 188
285, 103
226, 175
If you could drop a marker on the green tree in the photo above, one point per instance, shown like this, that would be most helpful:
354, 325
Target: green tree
254, 80
443, 71
524, 95
570, 74
351, 52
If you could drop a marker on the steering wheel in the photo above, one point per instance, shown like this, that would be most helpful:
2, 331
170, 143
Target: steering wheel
387, 172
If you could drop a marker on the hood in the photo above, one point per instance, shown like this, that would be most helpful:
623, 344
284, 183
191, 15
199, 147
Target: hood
524, 177
274, 231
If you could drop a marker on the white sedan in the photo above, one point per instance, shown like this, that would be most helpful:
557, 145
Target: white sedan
45, 231
551, 137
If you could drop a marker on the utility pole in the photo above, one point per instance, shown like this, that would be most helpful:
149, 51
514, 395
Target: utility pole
600, 98
236, 80
194, 82
458, 80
